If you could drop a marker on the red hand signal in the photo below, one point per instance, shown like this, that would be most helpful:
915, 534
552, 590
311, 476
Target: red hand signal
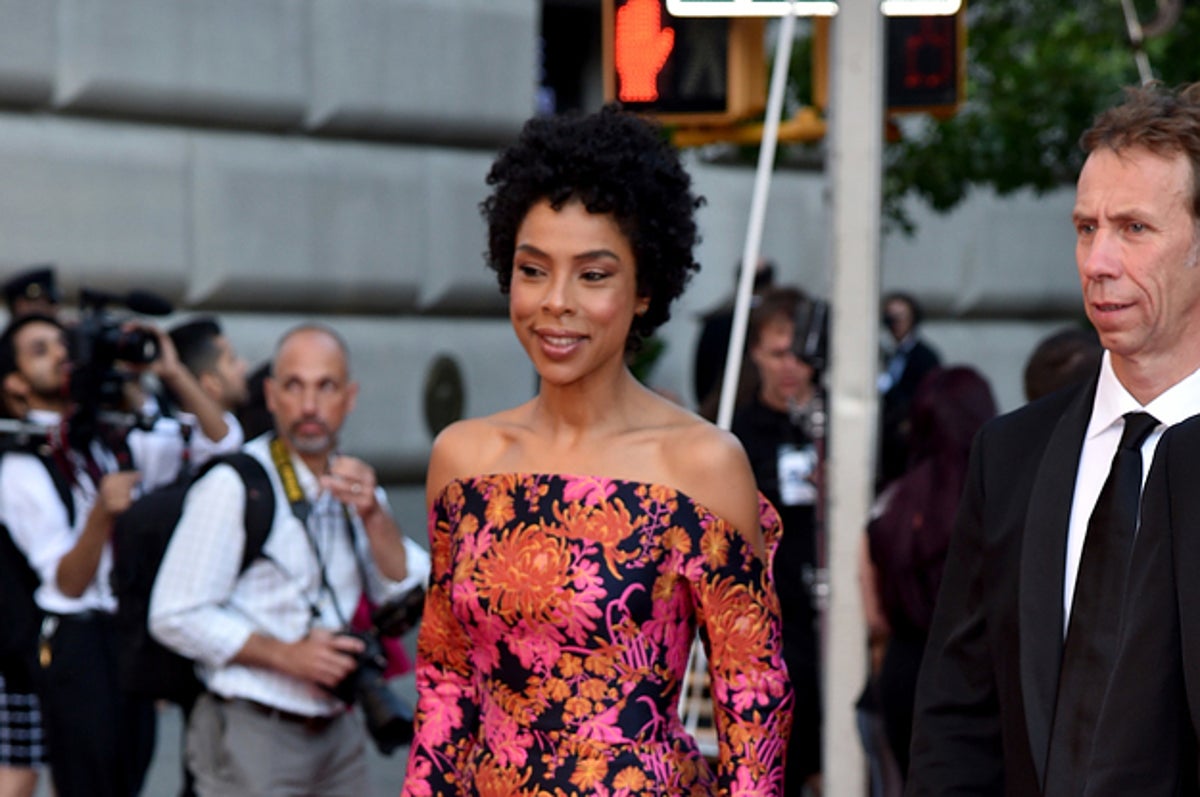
642, 46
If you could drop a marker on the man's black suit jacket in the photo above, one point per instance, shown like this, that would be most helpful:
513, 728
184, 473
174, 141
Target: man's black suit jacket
1146, 734
988, 683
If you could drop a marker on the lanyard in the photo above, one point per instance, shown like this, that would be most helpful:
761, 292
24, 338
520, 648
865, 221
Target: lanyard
302, 510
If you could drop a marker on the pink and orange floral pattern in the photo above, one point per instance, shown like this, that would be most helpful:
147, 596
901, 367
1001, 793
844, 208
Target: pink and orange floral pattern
556, 633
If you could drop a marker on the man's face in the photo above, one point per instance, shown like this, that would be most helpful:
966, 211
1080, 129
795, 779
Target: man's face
898, 317
784, 375
228, 385
41, 355
1136, 250
309, 394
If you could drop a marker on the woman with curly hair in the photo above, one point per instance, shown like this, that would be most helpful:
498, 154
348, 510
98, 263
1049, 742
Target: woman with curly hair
580, 539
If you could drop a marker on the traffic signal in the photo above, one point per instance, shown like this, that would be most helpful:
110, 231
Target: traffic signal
926, 64
682, 70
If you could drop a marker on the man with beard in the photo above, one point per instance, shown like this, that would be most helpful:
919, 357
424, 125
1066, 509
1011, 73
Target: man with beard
267, 640
59, 503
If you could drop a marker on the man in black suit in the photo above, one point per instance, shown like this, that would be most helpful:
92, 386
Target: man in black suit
991, 717
1146, 740
910, 359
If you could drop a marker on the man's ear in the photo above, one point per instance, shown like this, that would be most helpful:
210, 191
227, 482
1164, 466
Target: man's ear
210, 383
16, 386
269, 388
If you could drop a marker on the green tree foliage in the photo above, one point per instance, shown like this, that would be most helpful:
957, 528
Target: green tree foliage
1038, 71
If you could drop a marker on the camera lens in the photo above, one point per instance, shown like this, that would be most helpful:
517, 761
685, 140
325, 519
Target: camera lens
389, 719
134, 346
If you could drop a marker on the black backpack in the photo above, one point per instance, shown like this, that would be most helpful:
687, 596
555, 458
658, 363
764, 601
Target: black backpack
140, 538
20, 617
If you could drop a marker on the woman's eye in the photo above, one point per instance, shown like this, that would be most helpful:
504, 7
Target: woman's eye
594, 276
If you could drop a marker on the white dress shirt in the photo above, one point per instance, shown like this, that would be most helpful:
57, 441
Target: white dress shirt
202, 608
1112, 401
39, 524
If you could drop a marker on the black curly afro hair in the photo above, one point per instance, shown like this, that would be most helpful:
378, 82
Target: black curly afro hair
615, 163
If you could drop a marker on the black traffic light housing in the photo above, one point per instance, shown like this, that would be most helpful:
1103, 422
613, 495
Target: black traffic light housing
682, 71
926, 63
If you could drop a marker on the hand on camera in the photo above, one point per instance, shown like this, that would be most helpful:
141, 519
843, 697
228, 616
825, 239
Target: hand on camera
324, 658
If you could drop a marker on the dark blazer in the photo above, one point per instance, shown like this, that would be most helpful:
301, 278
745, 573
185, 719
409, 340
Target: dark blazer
894, 409
988, 683
1146, 733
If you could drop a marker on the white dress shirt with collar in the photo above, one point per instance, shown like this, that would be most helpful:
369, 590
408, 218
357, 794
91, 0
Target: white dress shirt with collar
39, 524
1112, 401
202, 608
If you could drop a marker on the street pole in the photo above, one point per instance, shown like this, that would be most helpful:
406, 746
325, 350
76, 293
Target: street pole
855, 175
758, 212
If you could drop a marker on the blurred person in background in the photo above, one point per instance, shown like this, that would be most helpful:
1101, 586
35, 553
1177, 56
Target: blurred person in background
211, 357
909, 358
22, 741
60, 510
780, 427
32, 291
712, 347
271, 641
1061, 359
904, 550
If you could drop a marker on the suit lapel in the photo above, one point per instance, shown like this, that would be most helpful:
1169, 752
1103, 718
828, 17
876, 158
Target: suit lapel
1043, 560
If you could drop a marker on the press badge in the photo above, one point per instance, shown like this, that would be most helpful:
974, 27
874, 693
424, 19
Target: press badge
797, 466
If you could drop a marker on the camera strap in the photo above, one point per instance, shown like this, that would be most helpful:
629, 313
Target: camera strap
302, 510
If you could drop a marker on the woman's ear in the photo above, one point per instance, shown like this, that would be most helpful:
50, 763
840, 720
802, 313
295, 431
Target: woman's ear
643, 304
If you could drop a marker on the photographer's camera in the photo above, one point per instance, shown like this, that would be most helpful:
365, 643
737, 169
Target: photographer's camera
389, 718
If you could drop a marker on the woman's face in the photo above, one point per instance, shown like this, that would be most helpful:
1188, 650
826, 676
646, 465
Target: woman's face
574, 292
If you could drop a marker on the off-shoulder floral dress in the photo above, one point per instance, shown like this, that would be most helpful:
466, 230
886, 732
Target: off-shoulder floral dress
556, 634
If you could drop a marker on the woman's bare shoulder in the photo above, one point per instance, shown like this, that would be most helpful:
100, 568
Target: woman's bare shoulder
710, 465
467, 448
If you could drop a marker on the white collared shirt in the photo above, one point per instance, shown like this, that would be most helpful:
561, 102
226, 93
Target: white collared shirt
38, 522
202, 608
1177, 403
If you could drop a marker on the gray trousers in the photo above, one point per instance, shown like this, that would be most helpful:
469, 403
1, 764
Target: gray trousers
237, 751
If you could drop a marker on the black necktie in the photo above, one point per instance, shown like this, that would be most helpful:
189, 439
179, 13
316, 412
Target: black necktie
1091, 642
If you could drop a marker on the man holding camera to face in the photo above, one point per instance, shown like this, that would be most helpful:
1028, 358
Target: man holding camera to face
270, 640
59, 498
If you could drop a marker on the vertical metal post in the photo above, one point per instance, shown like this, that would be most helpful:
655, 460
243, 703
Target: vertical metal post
758, 211
855, 173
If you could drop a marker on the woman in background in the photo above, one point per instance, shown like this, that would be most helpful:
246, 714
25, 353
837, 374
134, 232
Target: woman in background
907, 538
581, 538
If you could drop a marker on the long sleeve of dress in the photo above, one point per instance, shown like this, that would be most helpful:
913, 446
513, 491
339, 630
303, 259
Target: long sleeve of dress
447, 707
738, 614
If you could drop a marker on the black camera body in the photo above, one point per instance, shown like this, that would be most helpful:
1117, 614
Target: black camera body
389, 718
97, 343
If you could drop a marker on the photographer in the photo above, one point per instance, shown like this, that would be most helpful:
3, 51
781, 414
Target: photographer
59, 504
780, 428
268, 640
